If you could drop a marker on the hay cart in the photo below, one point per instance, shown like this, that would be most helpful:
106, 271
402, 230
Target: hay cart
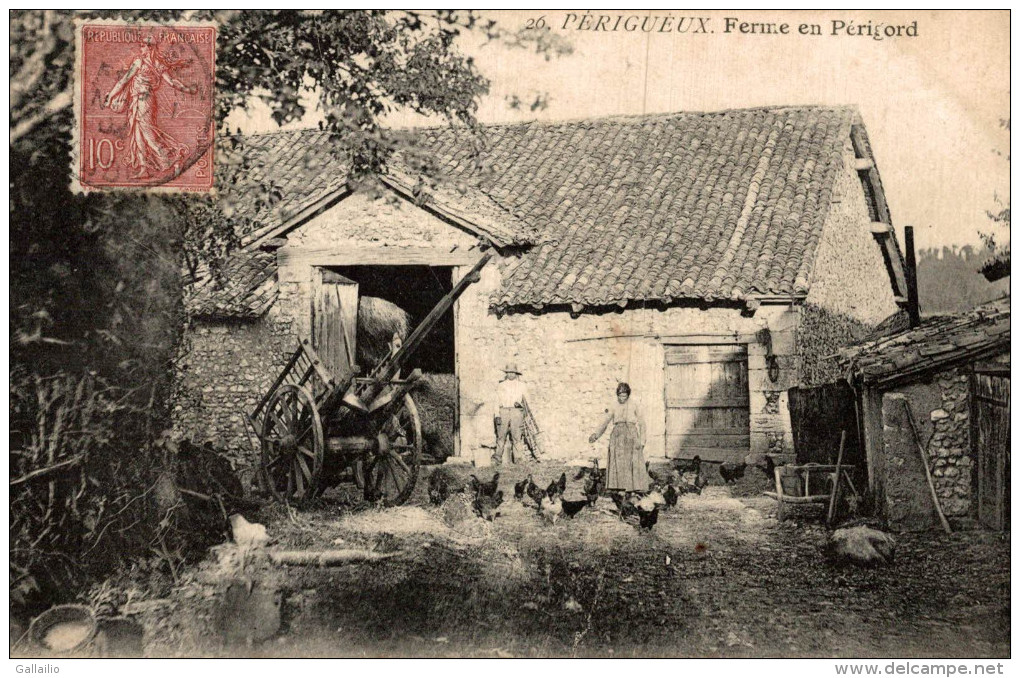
316, 428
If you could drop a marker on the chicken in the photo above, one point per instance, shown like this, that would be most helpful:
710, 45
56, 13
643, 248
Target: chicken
442, 484
520, 488
684, 487
730, 472
671, 495
768, 467
486, 506
487, 489
692, 465
551, 507
645, 508
248, 535
656, 477
534, 492
572, 507
558, 486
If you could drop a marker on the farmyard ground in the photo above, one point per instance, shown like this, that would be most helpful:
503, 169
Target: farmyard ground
719, 576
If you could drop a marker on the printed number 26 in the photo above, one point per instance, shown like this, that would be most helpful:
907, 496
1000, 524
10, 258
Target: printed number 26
535, 23
100, 153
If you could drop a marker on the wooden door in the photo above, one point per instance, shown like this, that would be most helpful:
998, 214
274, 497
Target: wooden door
990, 410
335, 321
707, 402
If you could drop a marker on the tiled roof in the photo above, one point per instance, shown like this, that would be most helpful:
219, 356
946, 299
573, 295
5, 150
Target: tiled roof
936, 343
245, 288
708, 206
662, 207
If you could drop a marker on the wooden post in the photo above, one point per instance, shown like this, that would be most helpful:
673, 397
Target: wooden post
835, 483
927, 471
913, 308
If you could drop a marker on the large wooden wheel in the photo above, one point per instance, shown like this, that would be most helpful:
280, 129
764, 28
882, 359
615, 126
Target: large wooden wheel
292, 444
393, 470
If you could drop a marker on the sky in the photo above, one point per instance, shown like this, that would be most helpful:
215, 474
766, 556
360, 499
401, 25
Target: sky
931, 102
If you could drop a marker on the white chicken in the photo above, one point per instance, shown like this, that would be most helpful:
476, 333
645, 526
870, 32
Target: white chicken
551, 508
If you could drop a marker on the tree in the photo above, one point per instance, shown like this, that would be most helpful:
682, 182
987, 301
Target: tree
997, 266
96, 279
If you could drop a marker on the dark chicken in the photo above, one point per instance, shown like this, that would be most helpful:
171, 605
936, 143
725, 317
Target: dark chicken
534, 492
731, 472
486, 505
520, 488
768, 467
671, 496
646, 508
557, 486
692, 465
572, 507
487, 489
441, 485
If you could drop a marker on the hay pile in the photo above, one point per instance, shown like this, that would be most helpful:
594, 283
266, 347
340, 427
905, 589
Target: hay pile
436, 396
378, 321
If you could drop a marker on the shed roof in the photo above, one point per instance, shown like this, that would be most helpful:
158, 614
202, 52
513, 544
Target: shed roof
724, 205
937, 343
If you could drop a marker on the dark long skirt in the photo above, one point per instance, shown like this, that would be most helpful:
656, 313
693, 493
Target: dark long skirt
626, 470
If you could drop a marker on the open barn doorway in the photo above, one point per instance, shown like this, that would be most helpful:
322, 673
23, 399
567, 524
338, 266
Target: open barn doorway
399, 298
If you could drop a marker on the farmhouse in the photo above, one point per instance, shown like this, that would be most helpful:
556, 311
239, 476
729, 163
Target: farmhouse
711, 260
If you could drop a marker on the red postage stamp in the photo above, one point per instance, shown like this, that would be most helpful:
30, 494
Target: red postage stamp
144, 106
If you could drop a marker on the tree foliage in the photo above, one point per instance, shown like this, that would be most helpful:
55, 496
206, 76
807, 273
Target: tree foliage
96, 309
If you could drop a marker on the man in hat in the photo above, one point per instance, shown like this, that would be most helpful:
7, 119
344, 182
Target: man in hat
510, 416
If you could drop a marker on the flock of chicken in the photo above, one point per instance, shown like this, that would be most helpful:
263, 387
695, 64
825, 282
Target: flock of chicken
683, 476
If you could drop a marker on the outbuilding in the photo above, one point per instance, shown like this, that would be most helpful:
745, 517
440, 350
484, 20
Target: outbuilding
941, 389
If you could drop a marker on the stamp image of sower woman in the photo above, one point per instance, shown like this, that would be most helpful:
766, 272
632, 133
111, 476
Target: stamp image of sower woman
626, 469
150, 149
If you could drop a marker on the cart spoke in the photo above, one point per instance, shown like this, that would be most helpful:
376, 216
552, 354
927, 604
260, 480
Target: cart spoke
276, 420
401, 463
299, 479
305, 433
305, 471
396, 481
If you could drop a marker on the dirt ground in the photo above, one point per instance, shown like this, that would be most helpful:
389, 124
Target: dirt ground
718, 576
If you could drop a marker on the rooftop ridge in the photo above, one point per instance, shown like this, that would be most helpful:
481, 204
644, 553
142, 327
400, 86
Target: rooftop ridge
611, 118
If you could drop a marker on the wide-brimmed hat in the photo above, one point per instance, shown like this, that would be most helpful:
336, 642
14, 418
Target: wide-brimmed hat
511, 368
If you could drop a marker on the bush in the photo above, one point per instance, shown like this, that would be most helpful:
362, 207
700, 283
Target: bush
90, 489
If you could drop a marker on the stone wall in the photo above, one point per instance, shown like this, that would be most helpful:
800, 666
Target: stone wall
226, 368
941, 409
572, 365
365, 229
850, 291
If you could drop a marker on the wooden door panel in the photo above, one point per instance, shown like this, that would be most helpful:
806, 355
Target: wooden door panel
706, 394
335, 321
991, 403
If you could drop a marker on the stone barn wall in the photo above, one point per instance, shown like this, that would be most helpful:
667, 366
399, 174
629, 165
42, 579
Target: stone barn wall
941, 408
572, 365
850, 289
226, 367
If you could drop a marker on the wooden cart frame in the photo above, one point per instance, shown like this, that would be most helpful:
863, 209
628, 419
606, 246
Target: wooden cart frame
314, 426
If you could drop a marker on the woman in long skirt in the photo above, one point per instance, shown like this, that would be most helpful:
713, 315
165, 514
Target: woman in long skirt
626, 469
